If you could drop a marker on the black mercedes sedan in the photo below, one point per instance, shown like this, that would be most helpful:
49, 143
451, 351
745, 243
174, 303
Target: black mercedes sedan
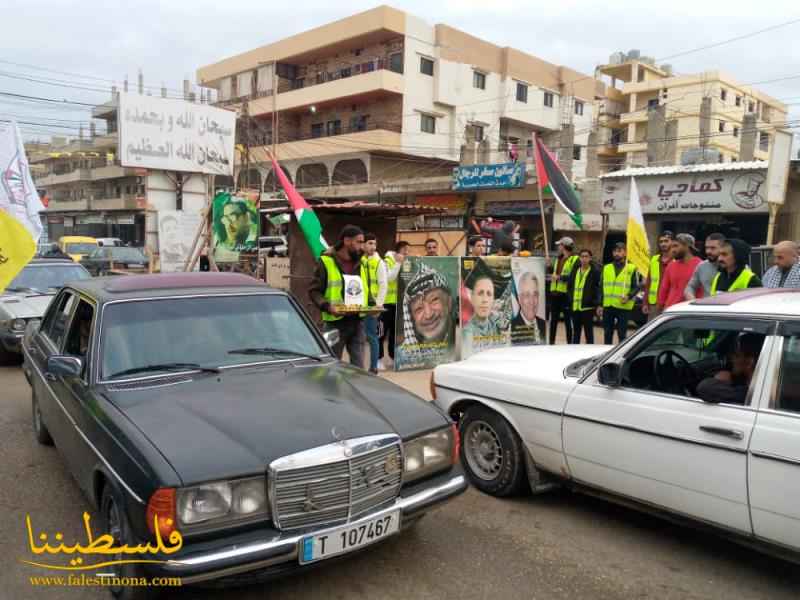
103, 259
209, 404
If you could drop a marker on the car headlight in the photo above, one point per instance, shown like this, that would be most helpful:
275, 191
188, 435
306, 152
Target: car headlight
428, 454
17, 324
221, 501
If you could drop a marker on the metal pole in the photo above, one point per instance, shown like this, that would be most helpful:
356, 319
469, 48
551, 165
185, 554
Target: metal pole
541, 205
274, 120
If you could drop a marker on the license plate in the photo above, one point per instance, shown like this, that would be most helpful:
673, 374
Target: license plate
348, 538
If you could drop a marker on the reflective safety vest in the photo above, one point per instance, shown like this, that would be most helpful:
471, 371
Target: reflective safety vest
616, 286
655, 279
373, 263
334, 294
391, 291
561, 286
740, 283
577, 295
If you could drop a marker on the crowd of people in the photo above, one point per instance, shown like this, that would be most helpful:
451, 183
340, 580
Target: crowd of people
353, 272
579, 289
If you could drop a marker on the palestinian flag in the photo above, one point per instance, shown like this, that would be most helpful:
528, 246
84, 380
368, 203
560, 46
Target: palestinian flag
551, 178
306, 217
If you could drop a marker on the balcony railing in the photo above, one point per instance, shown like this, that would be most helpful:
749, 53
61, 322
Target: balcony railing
265, 138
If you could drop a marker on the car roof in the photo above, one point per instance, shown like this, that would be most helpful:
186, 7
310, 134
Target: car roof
166, 285
52, 261
782, 302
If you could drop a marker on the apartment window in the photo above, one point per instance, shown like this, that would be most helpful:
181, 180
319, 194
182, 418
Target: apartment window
298, 83
428, 124
479, 80
334, 127
735, 132
425, 66
721, 126
723, 94
358, 123
763, 141
652, 104
579, 107
548, 99
317, 130
478, 132
738, 100
396, 62
751, 107
346, 72
522, 93
576, 152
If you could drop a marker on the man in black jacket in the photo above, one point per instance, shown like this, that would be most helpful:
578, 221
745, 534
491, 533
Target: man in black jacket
584, 297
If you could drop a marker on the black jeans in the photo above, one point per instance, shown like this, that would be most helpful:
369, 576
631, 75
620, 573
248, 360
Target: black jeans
583, 319
615, 319
388, 329
352, 336
559, 304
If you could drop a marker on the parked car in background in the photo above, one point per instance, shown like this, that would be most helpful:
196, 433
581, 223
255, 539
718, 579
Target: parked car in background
28, 295
273, 245
211, 404
77, 246
106, 258
111, 241
695, 416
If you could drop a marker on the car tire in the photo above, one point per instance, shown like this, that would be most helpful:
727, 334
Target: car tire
39, 428
115, 522
491, 452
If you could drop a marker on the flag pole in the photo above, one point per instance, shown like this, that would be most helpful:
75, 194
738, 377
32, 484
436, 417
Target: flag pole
541, 204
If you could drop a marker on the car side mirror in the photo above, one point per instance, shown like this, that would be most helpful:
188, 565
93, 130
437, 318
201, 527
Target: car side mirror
610, 374
332, 337
66, 366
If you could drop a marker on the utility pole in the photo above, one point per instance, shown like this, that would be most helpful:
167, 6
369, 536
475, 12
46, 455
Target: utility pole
275, 121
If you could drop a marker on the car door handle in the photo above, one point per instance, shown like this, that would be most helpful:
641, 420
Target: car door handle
731, 433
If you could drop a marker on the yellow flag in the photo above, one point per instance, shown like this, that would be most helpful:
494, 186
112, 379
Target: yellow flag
16, 248
638, 246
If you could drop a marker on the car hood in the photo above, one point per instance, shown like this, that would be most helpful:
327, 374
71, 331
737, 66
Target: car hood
24, 306
236, 423
496, 373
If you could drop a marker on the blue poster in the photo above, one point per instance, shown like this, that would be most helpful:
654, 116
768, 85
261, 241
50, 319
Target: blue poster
486, 177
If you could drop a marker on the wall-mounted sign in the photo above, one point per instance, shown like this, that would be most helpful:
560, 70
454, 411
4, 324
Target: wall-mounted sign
487, 177
708, 192
448, 201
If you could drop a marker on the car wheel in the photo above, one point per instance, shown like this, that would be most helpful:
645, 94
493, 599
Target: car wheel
39, 428
116, 523
491, 452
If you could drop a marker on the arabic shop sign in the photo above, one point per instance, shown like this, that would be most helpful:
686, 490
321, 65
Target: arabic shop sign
487, 177
721, 192
175, 135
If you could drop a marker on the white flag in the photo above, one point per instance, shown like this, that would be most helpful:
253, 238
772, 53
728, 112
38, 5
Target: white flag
638, 246
18, 195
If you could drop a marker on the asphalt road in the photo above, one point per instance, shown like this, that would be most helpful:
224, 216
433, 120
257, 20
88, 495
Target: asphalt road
560, 545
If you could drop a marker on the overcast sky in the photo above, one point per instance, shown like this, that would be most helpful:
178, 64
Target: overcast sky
169, 40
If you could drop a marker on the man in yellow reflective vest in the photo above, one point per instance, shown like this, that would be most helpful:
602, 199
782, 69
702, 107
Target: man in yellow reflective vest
341, 281
378, 288
652, 284
561, 270
620, 286
394, 260
584, 294
734, 272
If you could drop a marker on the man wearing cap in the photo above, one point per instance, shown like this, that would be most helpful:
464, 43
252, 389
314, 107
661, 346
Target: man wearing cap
678, 273
734, 272
652, 284
559, 284
341, 278
619, 288
786, 272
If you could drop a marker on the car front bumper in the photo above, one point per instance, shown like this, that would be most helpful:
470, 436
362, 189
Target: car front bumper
269, 553
11, 341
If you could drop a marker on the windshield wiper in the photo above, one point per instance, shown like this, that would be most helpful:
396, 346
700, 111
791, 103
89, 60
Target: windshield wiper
174, 366
269, 350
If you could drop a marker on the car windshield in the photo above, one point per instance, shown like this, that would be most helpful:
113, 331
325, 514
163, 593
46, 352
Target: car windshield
120, 254
82, 248
213, 331
43, 278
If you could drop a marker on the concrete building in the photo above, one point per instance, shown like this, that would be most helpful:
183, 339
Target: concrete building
382, 105
653, 117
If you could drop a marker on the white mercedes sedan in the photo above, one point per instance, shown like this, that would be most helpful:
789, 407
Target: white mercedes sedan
695, 417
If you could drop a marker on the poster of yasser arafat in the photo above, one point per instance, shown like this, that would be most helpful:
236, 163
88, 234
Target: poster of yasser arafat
235, 226
427, 312
487, 291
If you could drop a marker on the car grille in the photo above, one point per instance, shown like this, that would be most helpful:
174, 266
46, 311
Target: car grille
336, 492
